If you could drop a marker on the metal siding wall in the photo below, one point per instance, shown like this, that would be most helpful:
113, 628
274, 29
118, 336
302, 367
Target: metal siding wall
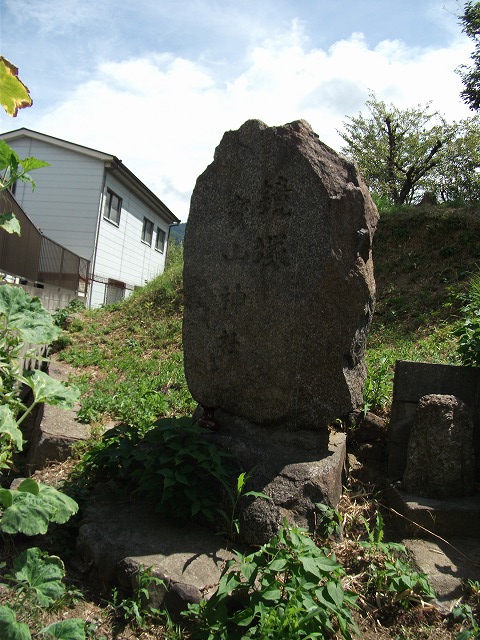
64, 205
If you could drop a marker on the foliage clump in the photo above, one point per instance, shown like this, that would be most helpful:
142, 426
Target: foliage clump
470, 21
289, 588
469, 331
173, 464
406, 155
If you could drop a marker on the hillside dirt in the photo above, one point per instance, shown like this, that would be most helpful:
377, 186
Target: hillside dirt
423, 259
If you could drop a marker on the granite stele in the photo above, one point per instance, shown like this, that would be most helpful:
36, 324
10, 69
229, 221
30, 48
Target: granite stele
278, 279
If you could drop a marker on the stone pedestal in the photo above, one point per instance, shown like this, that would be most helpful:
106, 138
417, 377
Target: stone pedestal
296, 469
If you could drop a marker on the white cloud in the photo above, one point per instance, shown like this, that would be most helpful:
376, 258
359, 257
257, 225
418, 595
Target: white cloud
164, 115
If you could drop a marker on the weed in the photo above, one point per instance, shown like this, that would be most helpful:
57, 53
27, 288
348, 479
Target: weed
136, 609
83, 357
378, 386
396, 581
328, 522
389, 573
235, 494
468, 333
172, 464
62, 316
463, 613
468, 613
289, 588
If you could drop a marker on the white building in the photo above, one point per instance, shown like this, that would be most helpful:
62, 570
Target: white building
89, 202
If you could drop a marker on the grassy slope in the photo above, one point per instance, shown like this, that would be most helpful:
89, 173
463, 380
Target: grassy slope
129, 356
423, 260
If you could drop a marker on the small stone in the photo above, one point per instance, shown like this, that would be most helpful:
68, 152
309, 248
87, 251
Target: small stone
440, 458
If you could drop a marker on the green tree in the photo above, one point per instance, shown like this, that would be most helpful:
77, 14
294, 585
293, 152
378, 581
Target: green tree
456, 177
470, 75
395, 149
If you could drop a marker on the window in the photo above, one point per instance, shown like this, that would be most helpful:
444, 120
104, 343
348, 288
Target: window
114, 291
147, 231
113, 207
160, 241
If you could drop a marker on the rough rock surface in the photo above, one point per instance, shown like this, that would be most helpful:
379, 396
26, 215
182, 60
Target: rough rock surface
296, 469
118, 536
55, 430
278, 279
440, 458
448, 566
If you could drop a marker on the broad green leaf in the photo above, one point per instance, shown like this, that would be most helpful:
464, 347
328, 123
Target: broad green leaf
31, 513
14, 94
310, 565
29, 485
71, 629
63, 506
243, 617
42, 573
10, 629
29, 164
25, 515
26, 177
272, 594
335, 591
7, 156
9, 223
278, 565
247, 569
6, 497
324, 564
8, 426
51, 391
26, 315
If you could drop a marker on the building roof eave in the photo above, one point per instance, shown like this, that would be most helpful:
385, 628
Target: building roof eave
129, 179
58, 142
111, 164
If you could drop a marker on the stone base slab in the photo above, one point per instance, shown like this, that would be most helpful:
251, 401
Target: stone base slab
118, 536
458, 517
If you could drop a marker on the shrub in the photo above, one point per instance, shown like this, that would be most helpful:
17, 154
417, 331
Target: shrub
469, 332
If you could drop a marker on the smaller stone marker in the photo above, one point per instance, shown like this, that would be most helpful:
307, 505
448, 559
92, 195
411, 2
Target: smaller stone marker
278, 279
440, 457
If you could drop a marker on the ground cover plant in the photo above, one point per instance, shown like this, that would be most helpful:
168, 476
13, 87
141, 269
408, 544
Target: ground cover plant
289, 588
127, 360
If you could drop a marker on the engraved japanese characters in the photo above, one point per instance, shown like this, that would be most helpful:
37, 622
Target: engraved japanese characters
278, 279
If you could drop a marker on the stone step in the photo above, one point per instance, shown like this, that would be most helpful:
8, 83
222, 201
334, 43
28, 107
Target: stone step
119, 536
454, 517
448, 565
55, 431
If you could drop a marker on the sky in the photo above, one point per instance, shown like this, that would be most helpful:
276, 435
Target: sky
157, 82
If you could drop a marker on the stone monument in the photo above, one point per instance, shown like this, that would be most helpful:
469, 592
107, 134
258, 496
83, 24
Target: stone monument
279, 294
278, 280
441, 457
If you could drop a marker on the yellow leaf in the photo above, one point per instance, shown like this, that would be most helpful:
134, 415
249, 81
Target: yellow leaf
14, 95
